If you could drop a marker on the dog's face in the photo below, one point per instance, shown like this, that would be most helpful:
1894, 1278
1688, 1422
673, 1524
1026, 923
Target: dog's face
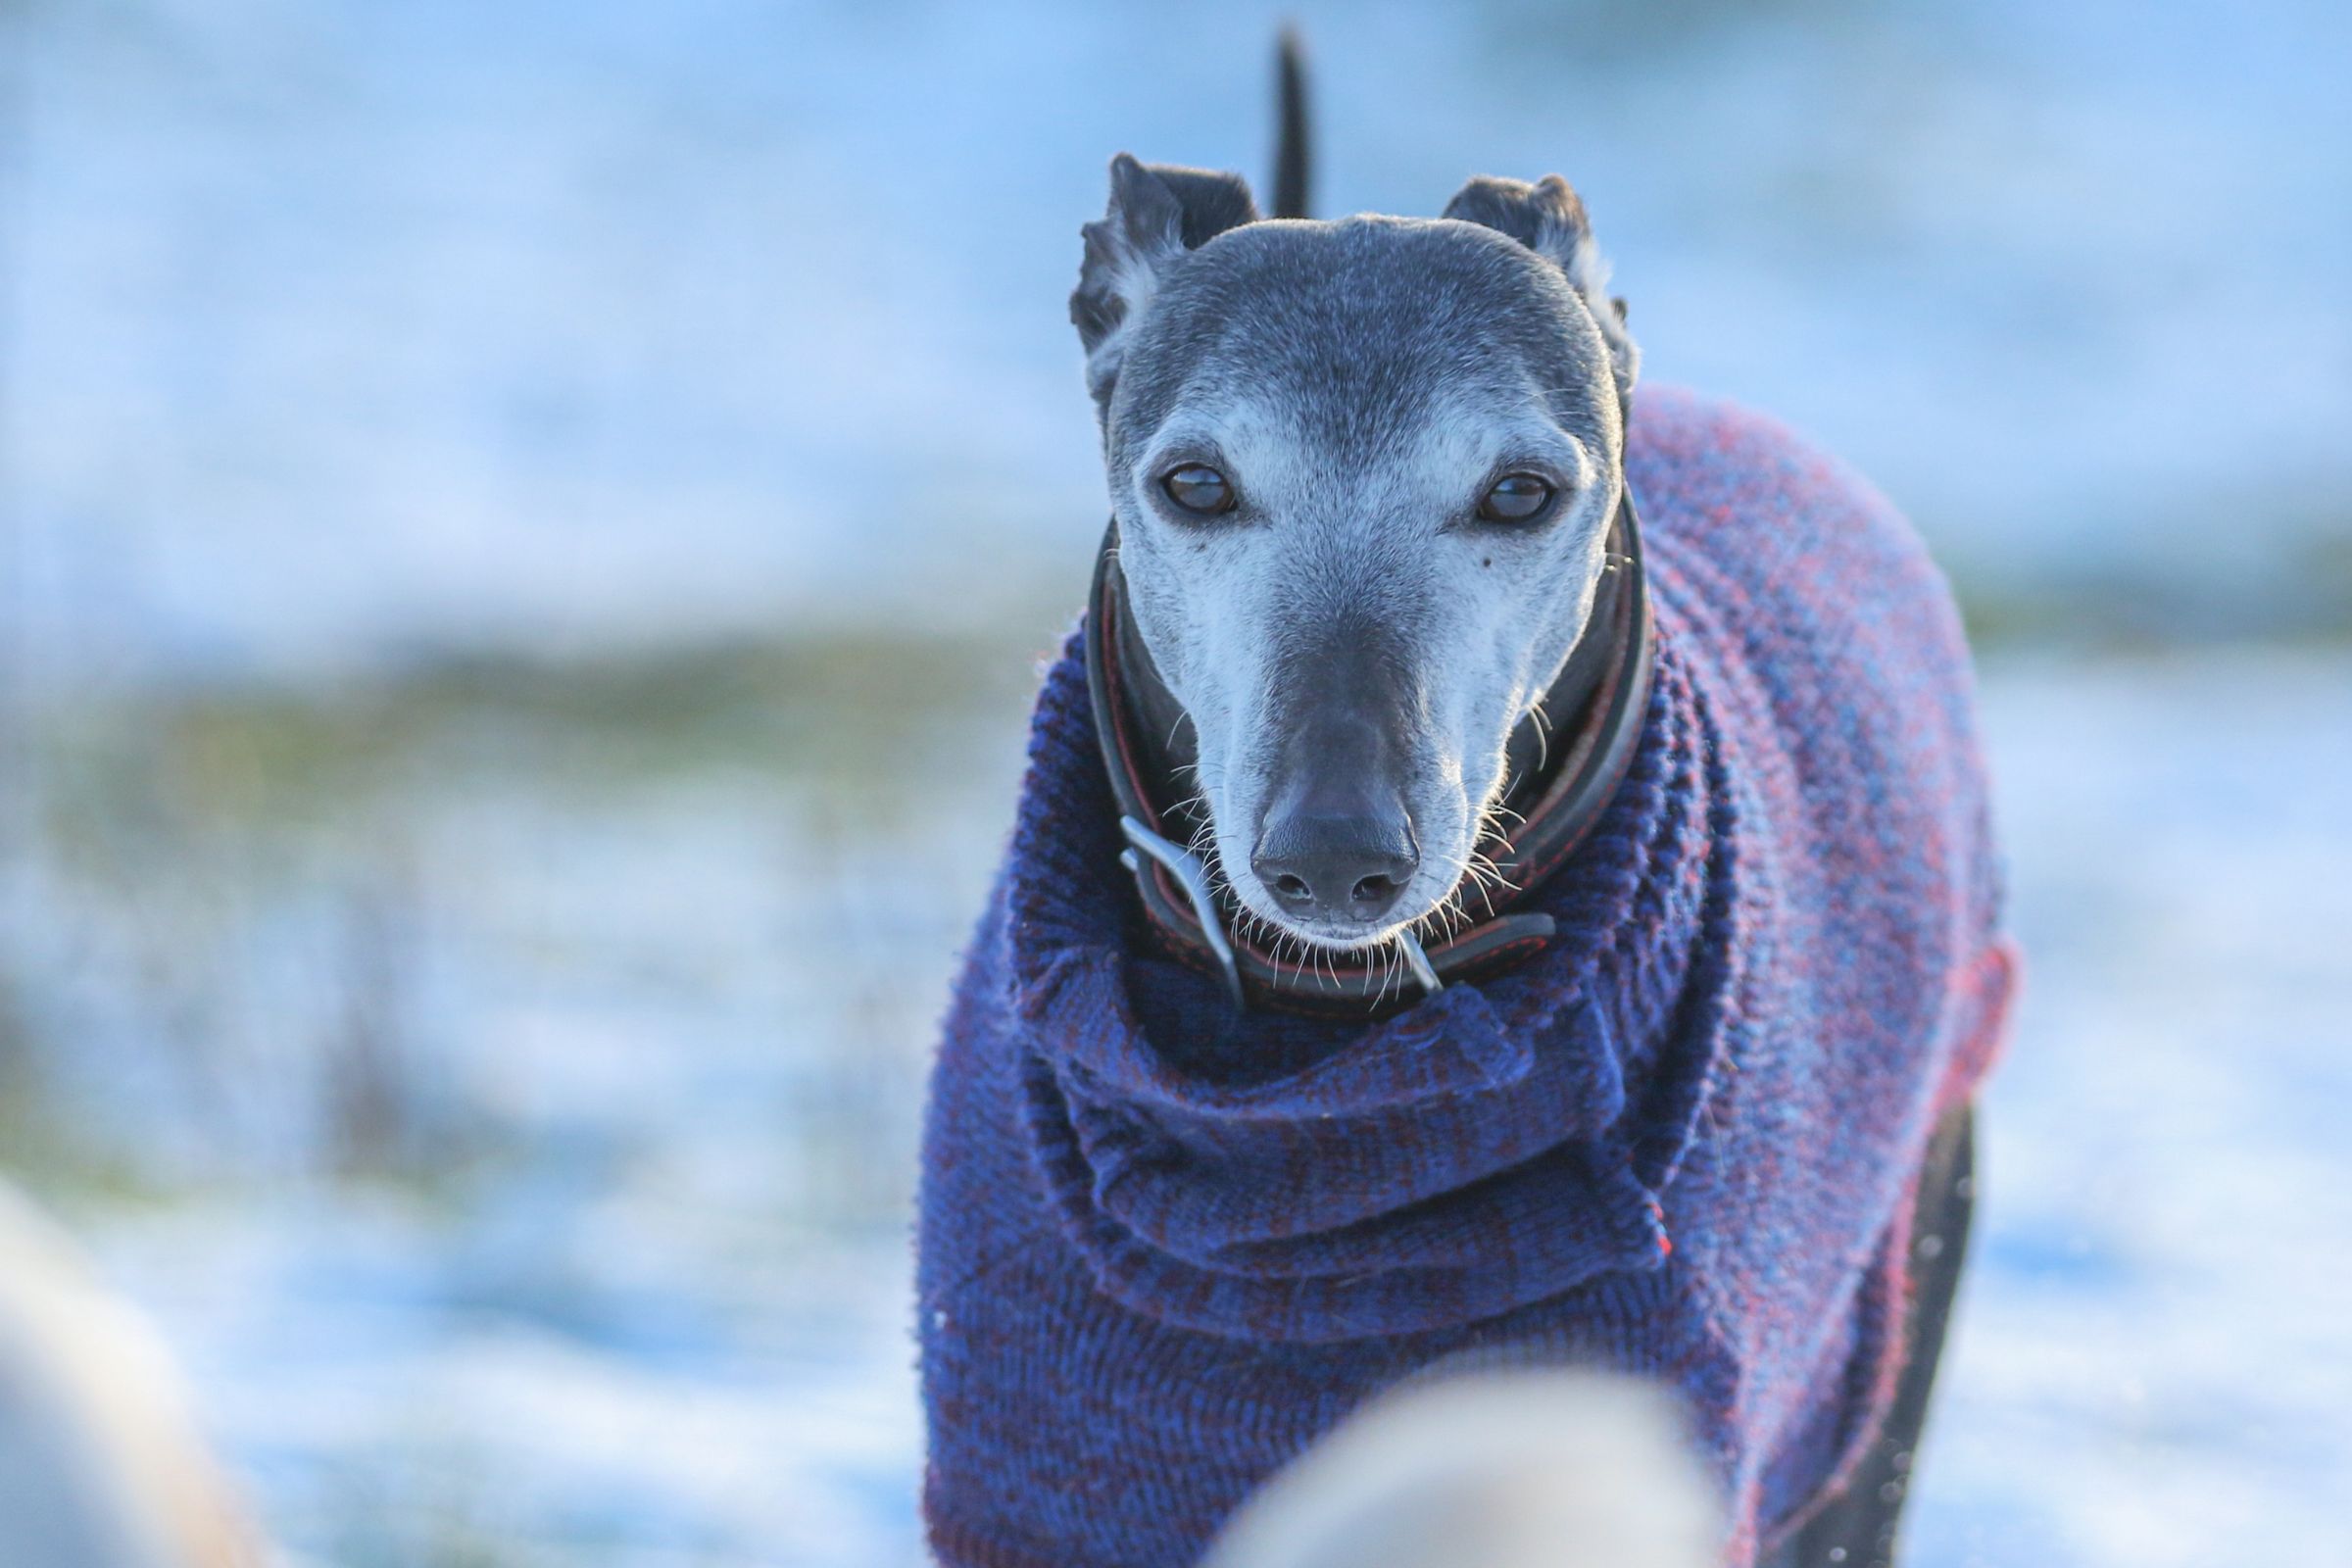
1363, 471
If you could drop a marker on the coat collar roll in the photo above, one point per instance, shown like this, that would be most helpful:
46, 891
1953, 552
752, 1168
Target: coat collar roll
1277, 1176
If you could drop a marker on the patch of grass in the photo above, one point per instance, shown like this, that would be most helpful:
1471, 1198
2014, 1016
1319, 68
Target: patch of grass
826, 711
247, 779
41, 1151
2310, 605
2276, 569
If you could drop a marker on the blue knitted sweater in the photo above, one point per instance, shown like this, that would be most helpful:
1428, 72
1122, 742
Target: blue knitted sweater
1162, 1250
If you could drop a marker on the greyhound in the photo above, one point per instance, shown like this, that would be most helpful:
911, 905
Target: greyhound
1554, 929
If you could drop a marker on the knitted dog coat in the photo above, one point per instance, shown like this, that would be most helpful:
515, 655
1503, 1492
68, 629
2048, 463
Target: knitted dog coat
1164, 1248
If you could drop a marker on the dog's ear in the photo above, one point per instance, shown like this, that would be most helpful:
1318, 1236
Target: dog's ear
1157, 212
1549, 218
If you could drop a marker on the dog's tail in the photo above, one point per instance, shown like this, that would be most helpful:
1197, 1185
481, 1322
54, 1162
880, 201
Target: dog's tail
1292, 148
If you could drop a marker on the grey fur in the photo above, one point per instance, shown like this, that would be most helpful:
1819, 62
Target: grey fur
1362, 383
1549, 218
1155, 216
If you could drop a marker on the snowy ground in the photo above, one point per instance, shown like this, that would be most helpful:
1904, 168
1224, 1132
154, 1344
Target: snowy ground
2154, 1360
508, 1101
619, 1277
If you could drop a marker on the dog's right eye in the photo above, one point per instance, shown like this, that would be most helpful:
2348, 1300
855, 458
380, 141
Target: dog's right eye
1515, 498
1197, 488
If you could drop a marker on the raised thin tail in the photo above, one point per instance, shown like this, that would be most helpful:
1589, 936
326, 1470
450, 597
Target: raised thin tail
1293, 149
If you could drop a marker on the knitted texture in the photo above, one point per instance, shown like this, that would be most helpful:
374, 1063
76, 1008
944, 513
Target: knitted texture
1162, 1249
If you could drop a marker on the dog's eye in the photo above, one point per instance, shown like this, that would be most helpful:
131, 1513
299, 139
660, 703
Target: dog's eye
1198, 487
1515, 498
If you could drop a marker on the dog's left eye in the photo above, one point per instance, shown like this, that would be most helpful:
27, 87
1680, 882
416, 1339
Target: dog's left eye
1515, 498
1198, 487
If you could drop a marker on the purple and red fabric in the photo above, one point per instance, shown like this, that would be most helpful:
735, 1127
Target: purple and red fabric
1163, 1249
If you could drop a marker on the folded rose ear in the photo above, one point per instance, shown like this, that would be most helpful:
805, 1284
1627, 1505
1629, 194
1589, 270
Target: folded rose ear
1549, 218
1157, 212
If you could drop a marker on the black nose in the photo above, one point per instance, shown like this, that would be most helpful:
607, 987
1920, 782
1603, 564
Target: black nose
1348, 867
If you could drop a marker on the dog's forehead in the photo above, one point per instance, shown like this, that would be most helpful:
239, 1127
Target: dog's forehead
1361, 333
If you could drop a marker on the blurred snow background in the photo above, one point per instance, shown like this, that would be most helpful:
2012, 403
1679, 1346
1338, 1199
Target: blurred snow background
526, 533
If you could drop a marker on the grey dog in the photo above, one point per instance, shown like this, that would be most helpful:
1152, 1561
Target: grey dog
1365, 477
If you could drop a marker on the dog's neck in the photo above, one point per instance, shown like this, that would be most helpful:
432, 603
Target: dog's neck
1563, 762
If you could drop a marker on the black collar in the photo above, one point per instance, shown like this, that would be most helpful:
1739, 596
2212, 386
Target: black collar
1562, 774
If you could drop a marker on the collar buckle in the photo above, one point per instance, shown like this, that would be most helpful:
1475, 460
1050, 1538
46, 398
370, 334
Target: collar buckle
1192, 876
